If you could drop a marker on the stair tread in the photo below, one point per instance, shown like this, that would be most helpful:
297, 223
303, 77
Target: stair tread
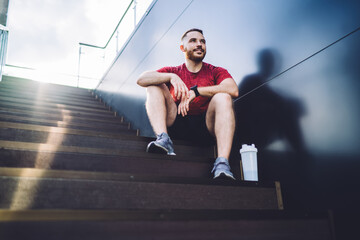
151, 214
83, 97
128, 142
15, 94
44, 147
55, 91
71, 104
61, 130
145, 164
162, 225
26, 112
83, 190
31, 84
54, 108
53, 148
64, 130
66, 122
127, 177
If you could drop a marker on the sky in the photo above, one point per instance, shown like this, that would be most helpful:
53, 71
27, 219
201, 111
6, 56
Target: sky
45, 35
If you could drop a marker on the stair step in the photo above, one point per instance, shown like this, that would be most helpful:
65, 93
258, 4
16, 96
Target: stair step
142, 163
43, 90
61, 107
66, 123
99, 139
59, 116
44, 189
63, 112
66, 130
29, 85
85, 96
162, 225
53, 148
86, 176
124, 153
41, 215
41, 101
91, 99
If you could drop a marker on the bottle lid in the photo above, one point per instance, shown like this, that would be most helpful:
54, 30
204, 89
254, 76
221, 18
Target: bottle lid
248, 148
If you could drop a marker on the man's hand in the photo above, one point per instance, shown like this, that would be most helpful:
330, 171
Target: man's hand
180, 89
183, 107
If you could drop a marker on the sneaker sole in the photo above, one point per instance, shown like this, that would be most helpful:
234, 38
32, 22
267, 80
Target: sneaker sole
156, 148
223, 175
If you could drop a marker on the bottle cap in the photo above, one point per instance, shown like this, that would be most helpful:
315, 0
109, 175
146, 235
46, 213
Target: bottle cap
248, 148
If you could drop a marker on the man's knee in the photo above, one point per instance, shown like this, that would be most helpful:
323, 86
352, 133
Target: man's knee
155, 89
222, 99
221, 104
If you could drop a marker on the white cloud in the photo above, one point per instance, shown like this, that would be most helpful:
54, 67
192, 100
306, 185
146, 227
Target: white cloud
44, 34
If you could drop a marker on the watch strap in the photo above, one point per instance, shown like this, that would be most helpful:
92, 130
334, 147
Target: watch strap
194, 88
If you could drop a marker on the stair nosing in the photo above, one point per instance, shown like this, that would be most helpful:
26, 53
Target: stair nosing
63, 130
13, 99
52, 148
40, 215
57, 107
70, 131
105, 114
55, 92
127, 177
108, 119
65, 123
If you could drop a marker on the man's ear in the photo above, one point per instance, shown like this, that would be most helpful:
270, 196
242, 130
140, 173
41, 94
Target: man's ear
182, 48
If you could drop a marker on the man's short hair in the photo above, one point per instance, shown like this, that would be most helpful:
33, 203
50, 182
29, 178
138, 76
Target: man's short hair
191, 30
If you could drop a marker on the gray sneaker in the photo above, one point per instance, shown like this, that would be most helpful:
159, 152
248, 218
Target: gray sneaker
162, 144
222, 168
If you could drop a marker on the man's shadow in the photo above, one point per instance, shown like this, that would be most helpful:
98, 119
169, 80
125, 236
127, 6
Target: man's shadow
269, 119
265, 115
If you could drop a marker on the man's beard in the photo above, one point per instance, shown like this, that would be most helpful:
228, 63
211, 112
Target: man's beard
192, 56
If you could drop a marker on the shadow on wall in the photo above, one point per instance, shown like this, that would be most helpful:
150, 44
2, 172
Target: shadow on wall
264, 116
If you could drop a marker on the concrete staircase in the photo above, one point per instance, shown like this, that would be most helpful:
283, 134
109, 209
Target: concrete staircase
70, 168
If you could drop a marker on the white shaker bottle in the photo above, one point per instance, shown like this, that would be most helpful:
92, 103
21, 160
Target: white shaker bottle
249, 162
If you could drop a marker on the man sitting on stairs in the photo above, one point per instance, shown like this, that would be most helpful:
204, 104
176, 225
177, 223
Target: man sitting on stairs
192, 101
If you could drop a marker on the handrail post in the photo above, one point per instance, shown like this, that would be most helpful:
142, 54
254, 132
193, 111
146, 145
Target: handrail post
4, 31
135, 3
78, 77
117, 41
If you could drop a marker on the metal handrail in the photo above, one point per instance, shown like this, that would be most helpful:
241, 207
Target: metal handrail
107, 43
4, 28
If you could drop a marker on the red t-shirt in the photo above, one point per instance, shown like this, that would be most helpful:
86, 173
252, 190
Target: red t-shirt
208, 75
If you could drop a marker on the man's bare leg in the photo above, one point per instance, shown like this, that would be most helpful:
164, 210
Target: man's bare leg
220, 120
161, 110
160, 107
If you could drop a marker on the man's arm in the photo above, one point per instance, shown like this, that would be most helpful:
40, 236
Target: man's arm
151, 78
226, 86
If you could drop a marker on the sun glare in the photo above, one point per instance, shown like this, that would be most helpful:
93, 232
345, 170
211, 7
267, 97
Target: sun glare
25, 192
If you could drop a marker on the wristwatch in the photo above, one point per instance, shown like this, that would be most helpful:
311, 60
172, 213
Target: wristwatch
194, 88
